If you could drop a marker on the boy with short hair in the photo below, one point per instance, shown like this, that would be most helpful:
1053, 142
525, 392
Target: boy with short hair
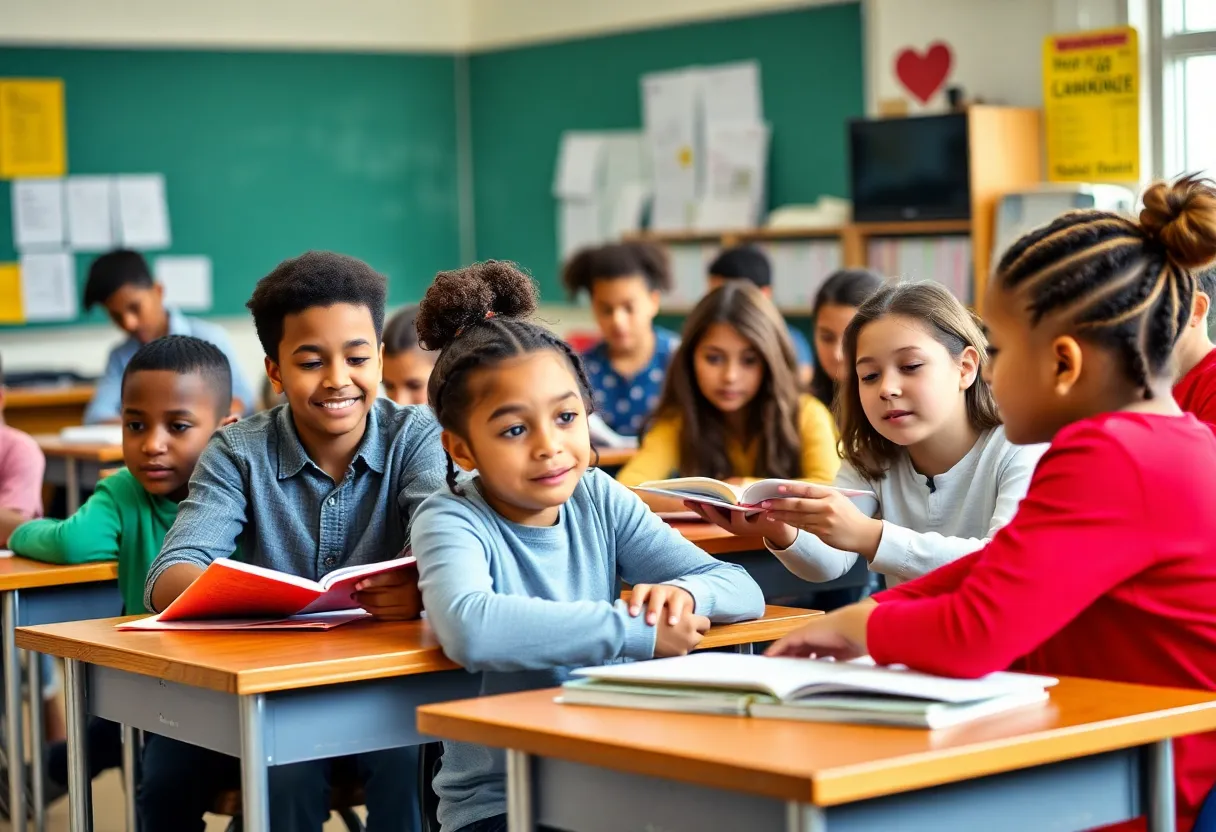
176, 392
750, 263
122, 283
1195, 389
305, 489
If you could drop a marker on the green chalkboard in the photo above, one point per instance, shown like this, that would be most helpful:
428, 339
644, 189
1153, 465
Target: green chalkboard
269, 154
522, 99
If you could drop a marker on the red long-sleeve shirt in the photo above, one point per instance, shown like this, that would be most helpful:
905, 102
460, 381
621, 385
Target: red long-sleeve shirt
1195, 392
1108, 571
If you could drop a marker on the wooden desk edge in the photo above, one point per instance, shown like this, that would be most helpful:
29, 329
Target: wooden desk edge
847, 784
56, 575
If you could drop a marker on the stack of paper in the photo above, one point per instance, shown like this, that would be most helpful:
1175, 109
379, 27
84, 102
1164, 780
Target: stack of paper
602, 184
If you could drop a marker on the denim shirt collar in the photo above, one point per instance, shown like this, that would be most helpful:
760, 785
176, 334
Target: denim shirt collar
373, 449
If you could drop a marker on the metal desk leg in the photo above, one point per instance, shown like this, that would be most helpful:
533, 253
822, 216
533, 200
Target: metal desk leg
520, 817
71, 475
15, 745
1159, 786
255, 792
80, 789
130, 754
745, 649
37, 739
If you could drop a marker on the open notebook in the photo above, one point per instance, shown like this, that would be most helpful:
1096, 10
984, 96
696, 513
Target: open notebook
806, 689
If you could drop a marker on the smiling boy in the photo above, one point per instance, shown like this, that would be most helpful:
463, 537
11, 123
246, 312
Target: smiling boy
330, 480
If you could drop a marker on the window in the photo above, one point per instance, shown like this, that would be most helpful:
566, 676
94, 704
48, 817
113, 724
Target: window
1188, 51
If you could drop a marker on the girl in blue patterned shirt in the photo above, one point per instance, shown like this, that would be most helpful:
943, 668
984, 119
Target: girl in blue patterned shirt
626, 369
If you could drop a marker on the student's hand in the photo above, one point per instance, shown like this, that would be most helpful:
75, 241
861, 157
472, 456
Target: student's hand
391, 596
781, 535
661, 599
840, 635
827, 514
679, 638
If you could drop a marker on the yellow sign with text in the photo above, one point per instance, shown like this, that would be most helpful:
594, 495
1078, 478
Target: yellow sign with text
11, 309
1091, 99
32, 137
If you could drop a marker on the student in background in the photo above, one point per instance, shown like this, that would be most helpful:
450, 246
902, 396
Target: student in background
122, 283
626, 369
1195, 389
836, 303
406, 365
331, 479
750, 263
176, 392
536, 544
1108, 570
921, 430
731, 407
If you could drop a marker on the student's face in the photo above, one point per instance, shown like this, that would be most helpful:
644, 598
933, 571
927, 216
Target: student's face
406, 374
728, 367
624, 310
830, 323
910, 385
526, 434
328, 367
139, 311
167, 419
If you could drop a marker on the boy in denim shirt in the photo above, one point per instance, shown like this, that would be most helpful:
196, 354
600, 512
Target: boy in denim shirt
331, 480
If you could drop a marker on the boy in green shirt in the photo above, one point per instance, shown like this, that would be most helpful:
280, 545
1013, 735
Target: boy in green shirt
176, 392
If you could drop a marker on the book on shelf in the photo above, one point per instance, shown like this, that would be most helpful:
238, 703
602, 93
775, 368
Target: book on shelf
817, 690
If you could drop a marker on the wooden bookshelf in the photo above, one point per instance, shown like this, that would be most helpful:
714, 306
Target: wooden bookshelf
1004, 153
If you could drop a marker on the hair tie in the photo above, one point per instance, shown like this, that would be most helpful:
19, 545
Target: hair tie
489, 314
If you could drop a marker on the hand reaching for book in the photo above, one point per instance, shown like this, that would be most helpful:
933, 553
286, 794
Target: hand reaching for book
829, 515
391, 596
839, 635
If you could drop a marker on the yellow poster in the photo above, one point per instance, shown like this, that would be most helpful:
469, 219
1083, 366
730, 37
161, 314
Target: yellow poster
10, 294
32, 138
1091, 98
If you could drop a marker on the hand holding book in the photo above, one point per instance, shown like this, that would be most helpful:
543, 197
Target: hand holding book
391, 596
826, 513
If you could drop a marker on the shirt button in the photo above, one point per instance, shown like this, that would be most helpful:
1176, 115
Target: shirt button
330, 561
333, 501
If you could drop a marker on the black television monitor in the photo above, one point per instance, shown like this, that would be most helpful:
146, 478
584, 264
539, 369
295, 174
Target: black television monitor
910, 168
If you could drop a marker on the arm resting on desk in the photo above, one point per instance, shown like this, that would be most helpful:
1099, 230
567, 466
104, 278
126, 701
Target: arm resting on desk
91, 534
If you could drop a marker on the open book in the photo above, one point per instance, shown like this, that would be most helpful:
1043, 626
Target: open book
807, 689
713, 492
229, 589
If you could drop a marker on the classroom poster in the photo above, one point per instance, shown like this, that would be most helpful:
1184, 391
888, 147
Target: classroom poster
11, 310
32, 138
1091, 97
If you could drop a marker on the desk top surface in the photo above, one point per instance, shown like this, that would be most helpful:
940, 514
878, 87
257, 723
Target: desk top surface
52, 445
23, 573
21, 397
267, 661
715, 540
824, 763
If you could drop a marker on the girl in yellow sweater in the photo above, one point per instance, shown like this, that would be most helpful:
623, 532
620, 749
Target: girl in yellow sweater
731, 408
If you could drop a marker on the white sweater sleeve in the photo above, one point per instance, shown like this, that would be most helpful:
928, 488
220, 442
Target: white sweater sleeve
809, 557
905, 554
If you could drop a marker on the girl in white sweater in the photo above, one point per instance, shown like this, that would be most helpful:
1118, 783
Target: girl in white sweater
921, 430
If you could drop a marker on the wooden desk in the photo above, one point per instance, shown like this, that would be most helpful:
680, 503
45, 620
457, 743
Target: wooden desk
72, 465
40, 593
46, 409
1098, 753
284, 697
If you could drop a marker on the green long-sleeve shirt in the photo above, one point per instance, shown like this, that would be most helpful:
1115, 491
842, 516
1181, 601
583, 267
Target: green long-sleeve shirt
121, 521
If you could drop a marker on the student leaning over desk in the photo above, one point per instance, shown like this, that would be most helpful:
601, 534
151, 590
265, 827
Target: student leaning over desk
1108, 569
330, 479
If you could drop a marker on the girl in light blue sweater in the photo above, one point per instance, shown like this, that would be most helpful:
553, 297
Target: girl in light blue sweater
521, 564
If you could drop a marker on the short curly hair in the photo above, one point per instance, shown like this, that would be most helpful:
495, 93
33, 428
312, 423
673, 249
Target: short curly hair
316, 278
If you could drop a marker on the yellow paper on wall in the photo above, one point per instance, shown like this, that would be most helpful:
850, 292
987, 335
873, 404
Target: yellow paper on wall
1091, 102
33, 141
10, 294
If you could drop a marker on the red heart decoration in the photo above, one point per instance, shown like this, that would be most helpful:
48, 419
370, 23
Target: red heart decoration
923, 75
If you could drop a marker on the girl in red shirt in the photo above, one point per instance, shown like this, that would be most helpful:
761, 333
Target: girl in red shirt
1108, 569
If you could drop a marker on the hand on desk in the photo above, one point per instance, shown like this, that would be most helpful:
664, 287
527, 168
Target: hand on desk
391, 596
670, 610
839, 635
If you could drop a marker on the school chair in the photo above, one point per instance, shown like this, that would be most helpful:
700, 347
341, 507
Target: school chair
429, 759
345, 793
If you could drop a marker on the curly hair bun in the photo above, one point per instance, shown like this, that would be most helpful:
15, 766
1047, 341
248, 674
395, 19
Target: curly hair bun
468, 296
1182, 217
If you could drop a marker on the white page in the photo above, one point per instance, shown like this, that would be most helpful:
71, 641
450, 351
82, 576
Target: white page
731, 92
143, 215
629, 209
736, 163
187, 282
578, 226
37, 214
669, 113
48, 286
90, 201
722, 213
580, 162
